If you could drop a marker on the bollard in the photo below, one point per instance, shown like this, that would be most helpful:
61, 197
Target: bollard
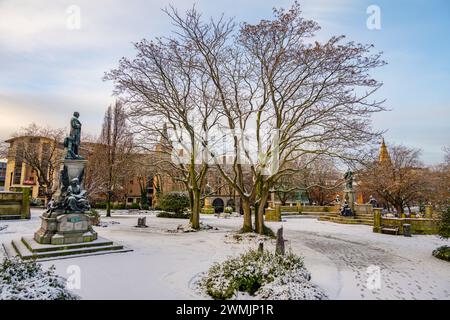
407, 230
377, 220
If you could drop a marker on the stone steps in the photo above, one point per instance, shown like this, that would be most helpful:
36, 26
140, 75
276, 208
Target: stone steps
10, 217
347, 220
28, 248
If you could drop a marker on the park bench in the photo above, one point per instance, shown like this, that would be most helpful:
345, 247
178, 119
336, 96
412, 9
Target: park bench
391, 230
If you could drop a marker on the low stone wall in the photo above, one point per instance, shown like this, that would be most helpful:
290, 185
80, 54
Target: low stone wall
418, 225
319, 209
426, 225
289, 209
363, 209
15, 205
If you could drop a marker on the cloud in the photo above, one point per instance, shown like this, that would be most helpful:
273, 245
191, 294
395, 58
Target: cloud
49, 70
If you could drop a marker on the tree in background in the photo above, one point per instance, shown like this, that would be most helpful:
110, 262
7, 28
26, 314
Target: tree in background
42, 151
322, 181
115, 147
3, 150
400, 182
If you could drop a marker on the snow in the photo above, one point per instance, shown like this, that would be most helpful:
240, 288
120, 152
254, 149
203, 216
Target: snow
166, 265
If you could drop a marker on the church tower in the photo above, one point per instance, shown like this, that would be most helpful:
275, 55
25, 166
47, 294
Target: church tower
384, 156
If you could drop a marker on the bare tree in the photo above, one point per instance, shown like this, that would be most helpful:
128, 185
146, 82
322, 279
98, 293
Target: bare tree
116, 145
300, 98
41, 149
297, 97
169, 98
400, 182
322, 180
3, 150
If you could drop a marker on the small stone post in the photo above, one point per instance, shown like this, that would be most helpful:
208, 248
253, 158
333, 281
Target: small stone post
299, 206
377, 220
25, 203
428, 212
261, 247
280, 242
278, 212
142, 222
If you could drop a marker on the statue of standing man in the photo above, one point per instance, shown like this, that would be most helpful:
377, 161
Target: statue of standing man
348, 180
72, 143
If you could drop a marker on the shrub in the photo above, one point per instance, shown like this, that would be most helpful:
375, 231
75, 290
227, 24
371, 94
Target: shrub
181, 215
95, 216
35, 202
119, 206
135, 206
442, 253
99, 205
208, 211
29, 281
263, 274
444, 225
228, 210
174, 202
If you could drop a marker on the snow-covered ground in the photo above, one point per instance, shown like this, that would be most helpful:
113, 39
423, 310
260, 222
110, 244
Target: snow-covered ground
165, 265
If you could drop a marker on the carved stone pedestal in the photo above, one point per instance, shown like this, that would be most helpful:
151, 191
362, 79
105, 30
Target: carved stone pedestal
349, 195
60, 228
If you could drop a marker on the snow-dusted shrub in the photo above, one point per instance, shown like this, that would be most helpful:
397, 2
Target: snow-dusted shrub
262, 274
228, 210
442, 253
175, 202
29, 281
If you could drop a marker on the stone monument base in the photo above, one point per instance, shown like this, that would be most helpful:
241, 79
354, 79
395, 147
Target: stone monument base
28, 249
58, 228
349, 195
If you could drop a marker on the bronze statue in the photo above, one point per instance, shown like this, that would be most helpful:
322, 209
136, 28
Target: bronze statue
72, 143
72, 198
348, 180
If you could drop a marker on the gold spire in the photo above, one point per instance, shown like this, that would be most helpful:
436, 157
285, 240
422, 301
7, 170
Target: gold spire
384, 154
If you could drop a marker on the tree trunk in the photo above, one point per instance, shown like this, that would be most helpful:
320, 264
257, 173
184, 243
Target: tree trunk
399, 208
195, 213
191, 203
259, 212
108, 205
247, 226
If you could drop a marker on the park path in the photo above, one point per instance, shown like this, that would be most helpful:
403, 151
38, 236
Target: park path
404, 274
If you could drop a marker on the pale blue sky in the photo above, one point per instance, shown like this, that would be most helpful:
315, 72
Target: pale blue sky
47, 70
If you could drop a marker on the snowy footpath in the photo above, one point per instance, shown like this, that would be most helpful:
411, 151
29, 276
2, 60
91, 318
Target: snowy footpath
347, 261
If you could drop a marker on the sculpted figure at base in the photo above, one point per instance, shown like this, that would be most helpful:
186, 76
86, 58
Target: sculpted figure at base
76, 197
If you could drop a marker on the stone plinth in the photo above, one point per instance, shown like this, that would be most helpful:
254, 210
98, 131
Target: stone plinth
60, 228
208, 203
273, 214
377, 220
349, 195
75, 167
